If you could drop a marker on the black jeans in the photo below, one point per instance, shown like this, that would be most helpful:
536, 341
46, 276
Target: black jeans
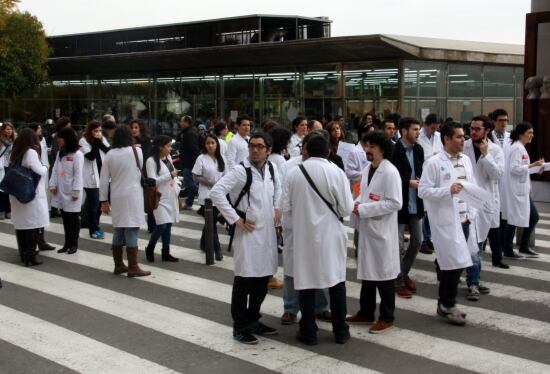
26, 243
92, 209
496, 245
449, 279
5, 205
246, 299
527, 231
367, 300
308, 327
71, 225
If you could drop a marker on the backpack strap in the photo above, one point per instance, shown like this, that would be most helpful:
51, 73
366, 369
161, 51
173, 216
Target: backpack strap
310, 181
246, 187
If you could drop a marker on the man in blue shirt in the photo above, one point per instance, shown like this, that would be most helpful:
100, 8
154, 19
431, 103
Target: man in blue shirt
408, 159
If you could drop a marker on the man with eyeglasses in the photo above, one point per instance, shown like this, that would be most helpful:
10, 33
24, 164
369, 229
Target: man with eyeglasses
500, 120
255, 216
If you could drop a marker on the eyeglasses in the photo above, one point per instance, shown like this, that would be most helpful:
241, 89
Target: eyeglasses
259, 147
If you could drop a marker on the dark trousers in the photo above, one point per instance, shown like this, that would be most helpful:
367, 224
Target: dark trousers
92, 209
164, 232
151, 223
5, 205
246, 299
527, 231
71, 225
449, 279
190, 187
367, 300
308, 327
496, 245
217, 246
26, 243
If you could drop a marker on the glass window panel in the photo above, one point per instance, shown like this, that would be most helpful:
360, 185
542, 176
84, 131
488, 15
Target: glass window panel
498, 81
238, 86
199, 85
464, 80
321, 84
281, 110
490, 104
519, 111
463, 110
278, 84
519, 82
428, 77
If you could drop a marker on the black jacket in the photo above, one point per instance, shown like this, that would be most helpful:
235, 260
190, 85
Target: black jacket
401, 162
189, 147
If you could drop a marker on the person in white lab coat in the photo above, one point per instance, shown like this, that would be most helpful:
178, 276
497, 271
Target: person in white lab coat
520, 211
160, 168
237, 150
290, 295
378, 262
208, 169
221, 130
66, 186
487, 160
317, 206
120, 188
439, 187
299, 129
29, 218
42, 244
94, 146
430, 141
255, 245
7, 138
499, 135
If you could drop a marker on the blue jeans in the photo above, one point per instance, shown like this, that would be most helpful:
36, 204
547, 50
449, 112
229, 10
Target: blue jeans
426, 232
473, 273
190, 186
290, 298
127, 236
163, 231
92, 209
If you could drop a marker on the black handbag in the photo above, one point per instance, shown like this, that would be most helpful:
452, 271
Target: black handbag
20, 182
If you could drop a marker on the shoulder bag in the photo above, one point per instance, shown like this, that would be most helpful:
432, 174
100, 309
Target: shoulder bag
151, 194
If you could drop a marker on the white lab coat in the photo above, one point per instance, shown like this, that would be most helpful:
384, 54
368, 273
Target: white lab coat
5, 151
207, 167
255, 253
438, 174
44, 152
34, 214
294, 147
288, 251
90, 174
506, 141
277, 159
120, 172
223, 148
237, 151
168, 209
431, 146
517, 186
67, 178
356, 162
488, 172
379, 202
319, 240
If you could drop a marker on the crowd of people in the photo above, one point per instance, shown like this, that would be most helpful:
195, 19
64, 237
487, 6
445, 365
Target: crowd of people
406, 186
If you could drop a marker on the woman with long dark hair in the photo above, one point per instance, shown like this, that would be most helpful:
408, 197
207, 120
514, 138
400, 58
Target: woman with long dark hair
141, 138
7, 137
518, 208
208, 169
94, 146
66, 186
336, 135
160, 168
120, 180
30, 217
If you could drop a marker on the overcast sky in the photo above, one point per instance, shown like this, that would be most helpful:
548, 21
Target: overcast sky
500, 21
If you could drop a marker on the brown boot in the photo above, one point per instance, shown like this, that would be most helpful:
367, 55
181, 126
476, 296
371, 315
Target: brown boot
133, 267
119, 262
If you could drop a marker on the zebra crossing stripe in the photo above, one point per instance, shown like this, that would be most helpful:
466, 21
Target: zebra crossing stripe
58, 344
437, 349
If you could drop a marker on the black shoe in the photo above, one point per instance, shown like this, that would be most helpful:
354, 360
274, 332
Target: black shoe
425, 248
46, 247
306, 341
72, 250
513, 256
32, 261
150, 253
219, 256
529, 253
245, 337
168, 257
64, 249
261, 329
501, 265
342, 339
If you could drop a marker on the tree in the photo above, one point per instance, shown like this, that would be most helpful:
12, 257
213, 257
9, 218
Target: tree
23, 51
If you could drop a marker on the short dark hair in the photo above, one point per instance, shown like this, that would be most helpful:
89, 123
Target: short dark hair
296, 121
219, 127
498, 112
317, 146
448, 129
61, 122
407, 122
187, 119
386, 120
71, 141
380, 139
269, 125
431, 118
244, 117
486, 121
122, 137
266, 137
281, 137
520, 129
35, 126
